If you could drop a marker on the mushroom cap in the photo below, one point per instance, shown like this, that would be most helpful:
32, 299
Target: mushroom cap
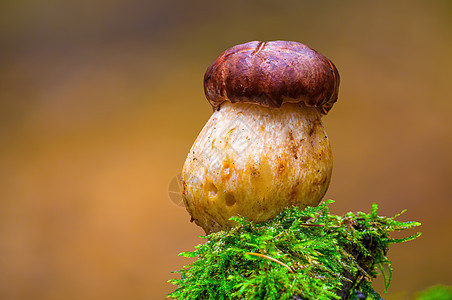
270, 74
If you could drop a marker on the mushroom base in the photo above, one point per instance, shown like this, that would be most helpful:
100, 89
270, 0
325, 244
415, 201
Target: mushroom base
252, 161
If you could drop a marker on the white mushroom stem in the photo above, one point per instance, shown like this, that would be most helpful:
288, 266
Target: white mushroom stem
253, 161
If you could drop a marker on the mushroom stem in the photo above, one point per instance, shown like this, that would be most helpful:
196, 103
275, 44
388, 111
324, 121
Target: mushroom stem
253, 161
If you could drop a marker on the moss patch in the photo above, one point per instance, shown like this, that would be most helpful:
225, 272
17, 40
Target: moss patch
300, 254
437, 292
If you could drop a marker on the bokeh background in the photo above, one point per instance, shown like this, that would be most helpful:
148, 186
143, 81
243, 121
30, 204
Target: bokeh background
100, 102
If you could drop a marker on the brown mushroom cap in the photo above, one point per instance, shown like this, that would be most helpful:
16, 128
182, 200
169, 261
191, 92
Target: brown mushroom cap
270, 74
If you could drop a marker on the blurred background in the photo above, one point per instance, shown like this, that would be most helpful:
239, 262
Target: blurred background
101, 101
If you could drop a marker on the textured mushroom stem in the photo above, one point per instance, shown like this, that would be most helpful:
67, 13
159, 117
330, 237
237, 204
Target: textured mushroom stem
253, 161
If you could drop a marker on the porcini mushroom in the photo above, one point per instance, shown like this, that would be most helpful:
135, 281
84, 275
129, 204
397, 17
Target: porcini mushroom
264, 148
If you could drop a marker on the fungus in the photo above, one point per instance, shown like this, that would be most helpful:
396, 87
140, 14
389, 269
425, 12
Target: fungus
264, 148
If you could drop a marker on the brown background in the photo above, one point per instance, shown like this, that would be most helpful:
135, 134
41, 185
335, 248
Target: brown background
100, 102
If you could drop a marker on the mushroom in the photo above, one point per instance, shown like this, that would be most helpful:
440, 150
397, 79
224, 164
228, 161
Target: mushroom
264, 148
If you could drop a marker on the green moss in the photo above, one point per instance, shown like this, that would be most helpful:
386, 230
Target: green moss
437, 292
309, 253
